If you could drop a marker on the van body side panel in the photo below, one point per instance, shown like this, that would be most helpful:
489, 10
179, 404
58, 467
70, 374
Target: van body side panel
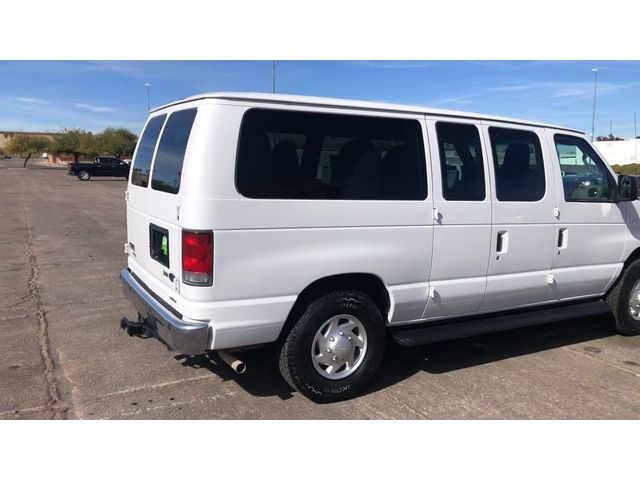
593, 250
631, 212
523, 236
462, 235
282, 262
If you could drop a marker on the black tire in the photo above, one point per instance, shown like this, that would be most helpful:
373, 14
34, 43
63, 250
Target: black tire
296, 365
619, 298
84, 175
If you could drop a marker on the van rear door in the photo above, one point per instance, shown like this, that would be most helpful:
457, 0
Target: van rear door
153, 210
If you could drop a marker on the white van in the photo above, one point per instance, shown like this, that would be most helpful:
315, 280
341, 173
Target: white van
326, 225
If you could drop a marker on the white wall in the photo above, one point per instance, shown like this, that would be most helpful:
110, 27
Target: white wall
621, 152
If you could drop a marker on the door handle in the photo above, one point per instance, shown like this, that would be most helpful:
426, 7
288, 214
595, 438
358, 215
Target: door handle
563, 238
502, 242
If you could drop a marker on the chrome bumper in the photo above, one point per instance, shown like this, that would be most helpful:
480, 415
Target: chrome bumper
183, 337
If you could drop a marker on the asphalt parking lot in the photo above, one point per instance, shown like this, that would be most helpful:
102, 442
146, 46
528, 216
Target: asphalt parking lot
63, 354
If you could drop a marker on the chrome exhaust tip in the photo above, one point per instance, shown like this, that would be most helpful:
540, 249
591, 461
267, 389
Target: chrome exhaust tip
235, 363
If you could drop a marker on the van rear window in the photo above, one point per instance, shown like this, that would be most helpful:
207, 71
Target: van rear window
167, 168
305, 155
144, 153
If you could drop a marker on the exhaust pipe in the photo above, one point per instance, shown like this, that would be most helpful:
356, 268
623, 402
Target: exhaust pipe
236, 365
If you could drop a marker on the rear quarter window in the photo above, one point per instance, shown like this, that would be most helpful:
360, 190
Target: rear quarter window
144, 153
312, 155
167, 168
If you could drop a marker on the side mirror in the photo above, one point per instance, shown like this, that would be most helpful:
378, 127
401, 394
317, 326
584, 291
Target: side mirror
627, 188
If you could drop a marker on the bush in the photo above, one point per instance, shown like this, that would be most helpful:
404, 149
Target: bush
629, 169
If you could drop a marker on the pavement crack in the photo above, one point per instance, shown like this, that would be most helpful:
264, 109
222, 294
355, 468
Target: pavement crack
156, 386
56, 406
20, 303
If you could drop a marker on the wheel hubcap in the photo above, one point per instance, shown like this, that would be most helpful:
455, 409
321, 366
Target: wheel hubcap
339, 347
634, 301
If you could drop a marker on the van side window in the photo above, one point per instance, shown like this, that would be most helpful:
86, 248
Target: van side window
144, 153
518, 165
460, 161
167, 168
305, 155
584, 175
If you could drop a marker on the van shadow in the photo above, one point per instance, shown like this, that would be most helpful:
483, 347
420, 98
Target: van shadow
98, 179
403, 362
263, 379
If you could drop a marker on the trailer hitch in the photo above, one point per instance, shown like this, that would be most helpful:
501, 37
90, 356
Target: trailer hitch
133, 328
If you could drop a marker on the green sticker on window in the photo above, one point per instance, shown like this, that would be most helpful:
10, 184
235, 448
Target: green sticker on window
164, 246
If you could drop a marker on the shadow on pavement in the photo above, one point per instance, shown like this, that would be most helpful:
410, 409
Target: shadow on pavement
99, 179
402, 362
263, 377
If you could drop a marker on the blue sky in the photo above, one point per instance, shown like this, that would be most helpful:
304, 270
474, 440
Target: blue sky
50, 95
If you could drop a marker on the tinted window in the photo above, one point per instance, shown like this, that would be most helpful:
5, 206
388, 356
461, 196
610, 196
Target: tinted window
460, 161
518, 165
328, 156
584, 176
144, 153
167, 168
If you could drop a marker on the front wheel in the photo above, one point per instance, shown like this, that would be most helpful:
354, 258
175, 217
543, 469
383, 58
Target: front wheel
335, 347
84, 175
625, 301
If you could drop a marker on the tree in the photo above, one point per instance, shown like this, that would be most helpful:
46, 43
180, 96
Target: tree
89, 145
27, 146
608, 138
628, 169
116, 141
72, 141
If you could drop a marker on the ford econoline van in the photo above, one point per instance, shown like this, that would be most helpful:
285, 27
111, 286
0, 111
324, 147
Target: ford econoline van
329, 225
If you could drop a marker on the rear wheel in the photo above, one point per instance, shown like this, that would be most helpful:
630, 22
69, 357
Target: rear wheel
84, 175
625, 301
335, 347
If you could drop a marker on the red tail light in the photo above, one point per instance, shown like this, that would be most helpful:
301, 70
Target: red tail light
197, 258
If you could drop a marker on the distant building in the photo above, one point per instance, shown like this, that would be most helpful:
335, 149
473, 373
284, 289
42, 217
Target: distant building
621, 152
5, 136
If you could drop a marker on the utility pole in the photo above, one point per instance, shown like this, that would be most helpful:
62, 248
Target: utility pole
635, 138
148, 97
610, 127
593, 118
273, 76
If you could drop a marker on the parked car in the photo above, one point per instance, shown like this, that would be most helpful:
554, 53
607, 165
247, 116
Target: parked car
103, 166
327, 225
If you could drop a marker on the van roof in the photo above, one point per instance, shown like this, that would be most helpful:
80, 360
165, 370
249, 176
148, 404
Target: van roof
283, 99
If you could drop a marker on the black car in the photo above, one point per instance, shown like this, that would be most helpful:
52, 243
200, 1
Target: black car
103, 166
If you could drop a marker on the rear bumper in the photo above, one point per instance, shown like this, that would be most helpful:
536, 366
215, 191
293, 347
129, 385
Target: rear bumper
184, 337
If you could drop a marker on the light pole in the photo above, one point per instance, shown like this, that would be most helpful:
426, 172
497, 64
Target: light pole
148, 98
273, 76
593, 118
